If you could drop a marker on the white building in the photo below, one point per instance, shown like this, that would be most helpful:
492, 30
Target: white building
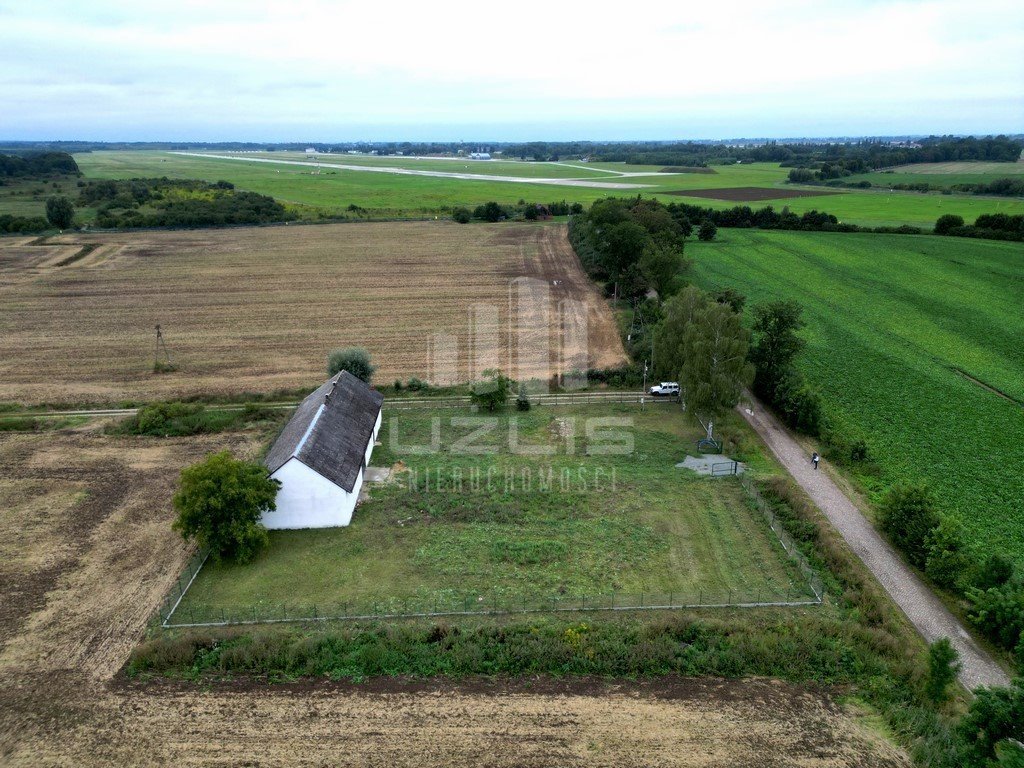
322, 454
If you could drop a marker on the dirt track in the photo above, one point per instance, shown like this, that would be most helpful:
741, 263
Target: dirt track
924, 609
85, 540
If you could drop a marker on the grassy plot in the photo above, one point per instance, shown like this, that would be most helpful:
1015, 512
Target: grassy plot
331, 192
28, 198
916, 342
603, 524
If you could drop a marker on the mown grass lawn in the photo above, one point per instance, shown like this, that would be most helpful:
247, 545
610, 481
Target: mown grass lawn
617, 524
894, 324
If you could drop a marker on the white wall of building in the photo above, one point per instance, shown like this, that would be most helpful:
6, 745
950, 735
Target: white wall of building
309, 500
373, 438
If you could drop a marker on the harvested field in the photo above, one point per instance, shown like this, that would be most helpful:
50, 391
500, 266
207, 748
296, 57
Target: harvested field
751, 194
103, 557
258, 309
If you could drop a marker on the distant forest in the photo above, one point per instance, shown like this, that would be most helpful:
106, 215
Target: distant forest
37, 165
840, 157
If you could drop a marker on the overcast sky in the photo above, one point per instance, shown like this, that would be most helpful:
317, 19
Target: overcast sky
335, 71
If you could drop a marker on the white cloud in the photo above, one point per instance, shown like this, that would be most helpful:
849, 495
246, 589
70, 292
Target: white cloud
188, 69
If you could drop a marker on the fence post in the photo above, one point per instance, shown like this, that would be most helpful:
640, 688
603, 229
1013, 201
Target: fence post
314, 612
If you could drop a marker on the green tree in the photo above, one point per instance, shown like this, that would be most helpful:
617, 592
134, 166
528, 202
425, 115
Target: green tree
659, 265
943, 667
489, 211
999, 613
492, 393
715, 368
994, 715
704, 344
220, 502
732, 297
522, 399
908, 515
355, 360
947, 223
624, 243
462, 215
707, 231
679, 312
994, 571
949, 560
776, 344
60, 212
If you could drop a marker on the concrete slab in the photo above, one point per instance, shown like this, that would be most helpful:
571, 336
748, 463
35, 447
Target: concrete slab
713, 465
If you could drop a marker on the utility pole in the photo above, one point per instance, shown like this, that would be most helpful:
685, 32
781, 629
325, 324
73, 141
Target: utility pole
643, 393
161, 345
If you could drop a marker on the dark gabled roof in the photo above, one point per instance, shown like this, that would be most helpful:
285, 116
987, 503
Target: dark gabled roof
330, 429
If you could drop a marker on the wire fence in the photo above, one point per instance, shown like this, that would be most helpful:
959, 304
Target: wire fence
787, 541
447, 603
172, 614
549, 399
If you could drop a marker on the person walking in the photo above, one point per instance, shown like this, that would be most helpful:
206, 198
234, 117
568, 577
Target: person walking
815, 458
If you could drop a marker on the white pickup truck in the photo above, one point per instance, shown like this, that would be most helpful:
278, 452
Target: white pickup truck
665, 389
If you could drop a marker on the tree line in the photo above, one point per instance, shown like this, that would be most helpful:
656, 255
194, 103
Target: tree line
37, 165
177, 203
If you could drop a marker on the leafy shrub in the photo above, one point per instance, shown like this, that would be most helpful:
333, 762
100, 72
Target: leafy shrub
908, 516
417, 385
462, 215
948, 560
220, 502
490, 211
60, 212
995, 571
799, 405
492, 393
946, 223
942, 670
707, 231
522, 399
176, 419
999, 613
994, 715
21, 424
355, 360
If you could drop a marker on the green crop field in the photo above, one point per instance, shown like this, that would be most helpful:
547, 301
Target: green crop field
624, 524
915, 340
942, 174
384, 194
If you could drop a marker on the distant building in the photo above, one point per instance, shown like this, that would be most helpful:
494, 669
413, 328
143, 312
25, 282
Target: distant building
479, 155
310, 151
320, 457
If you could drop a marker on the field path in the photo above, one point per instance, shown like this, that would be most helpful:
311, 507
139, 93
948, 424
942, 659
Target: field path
927, 613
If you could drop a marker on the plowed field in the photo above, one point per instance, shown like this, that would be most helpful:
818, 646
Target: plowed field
258, 309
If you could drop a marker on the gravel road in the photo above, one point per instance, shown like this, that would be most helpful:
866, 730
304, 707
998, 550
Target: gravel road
932, 619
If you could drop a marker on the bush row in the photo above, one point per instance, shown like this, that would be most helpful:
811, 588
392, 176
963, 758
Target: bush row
176, 419
938, 545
